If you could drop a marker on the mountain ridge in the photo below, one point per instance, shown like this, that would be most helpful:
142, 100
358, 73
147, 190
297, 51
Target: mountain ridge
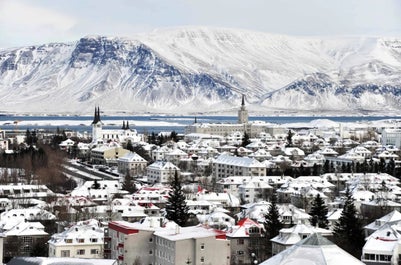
203, 70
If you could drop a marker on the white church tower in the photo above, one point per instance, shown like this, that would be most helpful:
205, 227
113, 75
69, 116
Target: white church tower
243, 112
97, 135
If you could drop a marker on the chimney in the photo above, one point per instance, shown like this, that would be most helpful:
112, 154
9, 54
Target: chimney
177, 229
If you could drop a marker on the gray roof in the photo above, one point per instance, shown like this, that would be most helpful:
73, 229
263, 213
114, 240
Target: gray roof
315, 250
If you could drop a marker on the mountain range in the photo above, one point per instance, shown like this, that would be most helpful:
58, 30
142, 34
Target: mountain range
204, 71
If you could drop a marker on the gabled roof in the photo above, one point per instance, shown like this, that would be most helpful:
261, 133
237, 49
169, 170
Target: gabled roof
315, 250
393, 216
238, 161
383, 241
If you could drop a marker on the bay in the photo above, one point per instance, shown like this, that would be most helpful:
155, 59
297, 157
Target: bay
155, 123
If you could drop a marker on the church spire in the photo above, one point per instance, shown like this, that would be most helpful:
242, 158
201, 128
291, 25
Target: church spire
127, 125
123, 126
96, 118
242, 112
196, 121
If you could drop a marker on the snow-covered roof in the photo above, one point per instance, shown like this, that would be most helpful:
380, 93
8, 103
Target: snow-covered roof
64, 261
292, 235
314, 249
238, 161
383, 241
131, 157
24, 228
182, 233
87, 232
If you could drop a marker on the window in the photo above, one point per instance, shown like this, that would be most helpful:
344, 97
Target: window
65, 253
202, 259
384, 258
93, 240
81, 240
81, 252
369, 256
68, 240
254, 230
240, 241
94, 251
202, 246
240, 252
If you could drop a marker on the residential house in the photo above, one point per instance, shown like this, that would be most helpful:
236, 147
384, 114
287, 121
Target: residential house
132, 164
290, 236
161, 172
245, 237
82, 240
383, 246
107, 154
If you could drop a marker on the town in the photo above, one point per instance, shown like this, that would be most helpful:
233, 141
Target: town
243, 193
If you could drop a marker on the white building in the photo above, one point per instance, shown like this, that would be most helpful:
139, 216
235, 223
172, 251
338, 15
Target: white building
82, 240
191, 245
227, 165
391, 137
383, 246
161, 172
131, 163
123, 135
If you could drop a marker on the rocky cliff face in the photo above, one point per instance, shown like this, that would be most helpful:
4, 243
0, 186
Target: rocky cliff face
203, 70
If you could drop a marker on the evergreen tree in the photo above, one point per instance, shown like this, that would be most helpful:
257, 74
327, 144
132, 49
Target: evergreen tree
245, 140
128, 184
272, 222
289, 138
176, 207
319, 212
130, 146
348, 232
174, 136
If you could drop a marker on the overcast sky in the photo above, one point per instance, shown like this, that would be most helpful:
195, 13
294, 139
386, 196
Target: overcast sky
24, 22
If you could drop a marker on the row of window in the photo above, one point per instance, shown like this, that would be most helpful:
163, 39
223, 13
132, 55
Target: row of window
66, 253
80, 240
377, 257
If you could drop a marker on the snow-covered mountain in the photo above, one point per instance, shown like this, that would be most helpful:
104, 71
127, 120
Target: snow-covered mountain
204, 70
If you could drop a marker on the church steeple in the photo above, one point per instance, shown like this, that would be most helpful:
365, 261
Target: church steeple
127, 126
124, 126
96, 118
242, 112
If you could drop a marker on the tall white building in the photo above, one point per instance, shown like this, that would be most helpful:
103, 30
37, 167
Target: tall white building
391, 137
